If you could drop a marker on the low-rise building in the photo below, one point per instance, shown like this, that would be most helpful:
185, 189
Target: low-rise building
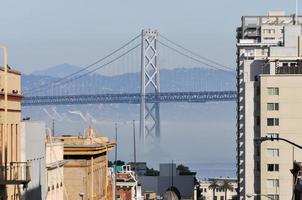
55, 170
169, 182
207, 192
32, 143
86, 167
127, 187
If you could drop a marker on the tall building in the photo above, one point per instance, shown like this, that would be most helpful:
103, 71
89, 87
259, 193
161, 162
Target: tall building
13, 173
269, 103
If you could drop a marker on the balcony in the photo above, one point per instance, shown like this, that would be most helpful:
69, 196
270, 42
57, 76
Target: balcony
15, 173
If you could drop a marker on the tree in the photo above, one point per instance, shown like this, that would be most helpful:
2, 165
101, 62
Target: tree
213, 186
225, 186
184, 170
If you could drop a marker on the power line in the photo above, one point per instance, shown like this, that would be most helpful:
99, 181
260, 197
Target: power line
100, 67
190, 57
83, 69
196, 54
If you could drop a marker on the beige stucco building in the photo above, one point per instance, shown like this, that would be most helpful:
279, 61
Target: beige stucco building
86, 167
12, 172
269, 89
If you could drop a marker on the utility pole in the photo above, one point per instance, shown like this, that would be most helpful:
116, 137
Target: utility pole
134, 157
53, 127
115, 158
5, 131
134, 146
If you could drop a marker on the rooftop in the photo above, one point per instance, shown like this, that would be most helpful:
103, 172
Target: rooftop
89, 144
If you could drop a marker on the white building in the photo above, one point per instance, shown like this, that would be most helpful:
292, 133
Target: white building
269, 88
46, 158
207, 193
54, 173
32, 144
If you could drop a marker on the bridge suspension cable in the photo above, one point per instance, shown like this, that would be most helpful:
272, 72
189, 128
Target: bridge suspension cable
65, 81
47, 85
99, 67
195, 54
192, 58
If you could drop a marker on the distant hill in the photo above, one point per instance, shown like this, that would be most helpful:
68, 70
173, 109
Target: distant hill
181, 79
58, 70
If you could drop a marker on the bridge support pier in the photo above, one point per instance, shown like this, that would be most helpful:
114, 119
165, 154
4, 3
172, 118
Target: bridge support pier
150, 82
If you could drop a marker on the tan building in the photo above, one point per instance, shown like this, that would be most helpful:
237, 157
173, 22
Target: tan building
86, 168
269, 103
12, 172
55, 170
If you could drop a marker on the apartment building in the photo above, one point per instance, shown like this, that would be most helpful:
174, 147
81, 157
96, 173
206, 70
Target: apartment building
13, 173
269, 88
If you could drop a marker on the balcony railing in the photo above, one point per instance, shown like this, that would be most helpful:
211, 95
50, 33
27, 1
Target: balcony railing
14, 173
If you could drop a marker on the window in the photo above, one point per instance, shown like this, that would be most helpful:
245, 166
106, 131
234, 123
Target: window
284, 64
272, 167
272, 152
272, 106
205, 190
221, 197
273, 91
201, 189
273, 196
272, 183
272, 121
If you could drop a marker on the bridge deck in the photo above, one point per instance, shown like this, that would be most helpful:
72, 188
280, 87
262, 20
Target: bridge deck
131, 98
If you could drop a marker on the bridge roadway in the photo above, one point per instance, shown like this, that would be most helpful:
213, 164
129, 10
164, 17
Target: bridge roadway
131, 98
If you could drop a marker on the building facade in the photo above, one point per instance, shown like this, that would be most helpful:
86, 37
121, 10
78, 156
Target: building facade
34, 133
168, 181
207, 193
13, 173
86, 167
55, 186
269, 86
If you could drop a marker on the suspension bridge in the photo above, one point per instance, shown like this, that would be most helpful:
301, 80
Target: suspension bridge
141, 60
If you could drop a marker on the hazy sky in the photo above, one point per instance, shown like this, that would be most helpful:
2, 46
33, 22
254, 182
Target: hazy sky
41, 34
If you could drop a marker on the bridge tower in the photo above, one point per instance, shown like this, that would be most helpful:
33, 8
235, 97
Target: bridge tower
150, 83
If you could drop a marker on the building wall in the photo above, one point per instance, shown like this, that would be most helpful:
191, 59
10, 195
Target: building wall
208, 193
290, 126
55, 172
10, 139
34, 133
86, 175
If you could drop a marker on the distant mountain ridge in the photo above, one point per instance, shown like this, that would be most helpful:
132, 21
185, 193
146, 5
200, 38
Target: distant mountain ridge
60, 71
176, 80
